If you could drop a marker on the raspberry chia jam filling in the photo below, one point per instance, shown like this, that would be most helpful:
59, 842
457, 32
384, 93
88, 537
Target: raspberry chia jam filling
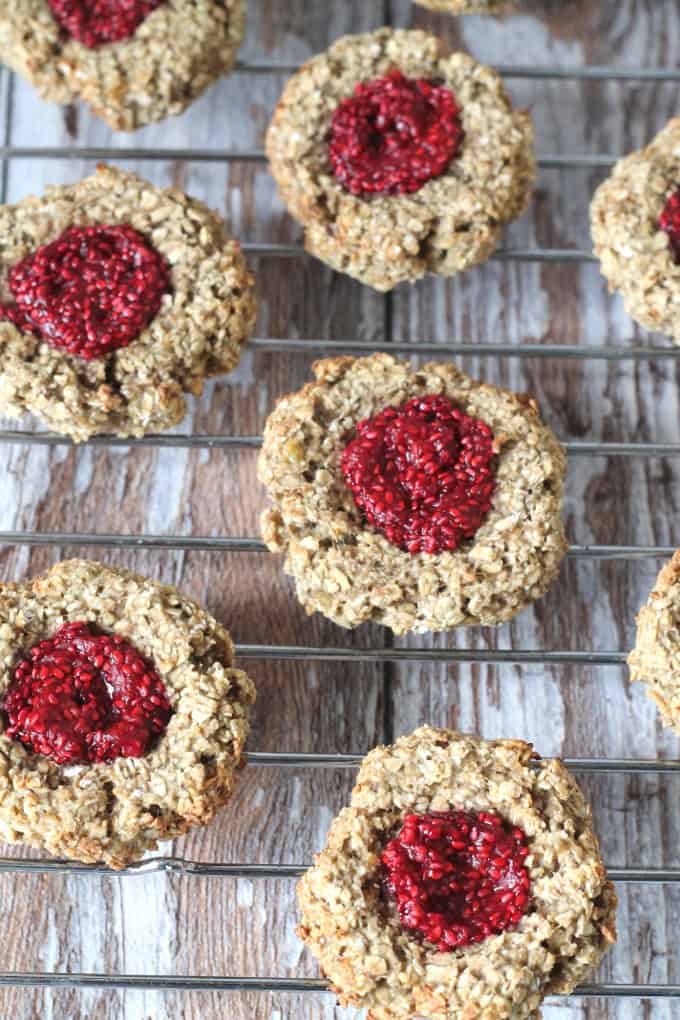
95, 23
84, 697
423, 474
670, 222
393, 135
91, 291
457, 877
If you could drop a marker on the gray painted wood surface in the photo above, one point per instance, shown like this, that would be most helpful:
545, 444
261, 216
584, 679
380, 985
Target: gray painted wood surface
183, 925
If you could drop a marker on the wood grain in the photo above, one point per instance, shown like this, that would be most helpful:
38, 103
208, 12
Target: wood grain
165, 924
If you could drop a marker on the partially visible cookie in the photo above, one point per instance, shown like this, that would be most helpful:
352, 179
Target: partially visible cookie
161, 299
122, 719
415, 498
150, 61
464, 881
635, 222
398, 159
466, 6
655, 660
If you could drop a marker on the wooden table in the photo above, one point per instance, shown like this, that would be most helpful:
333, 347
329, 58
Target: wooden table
182, 924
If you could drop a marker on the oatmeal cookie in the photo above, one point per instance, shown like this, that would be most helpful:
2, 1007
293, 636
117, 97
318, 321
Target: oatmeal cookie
635, 221
161, 299
120, 762
655, 659
419, 499
150, 61
515, 904
398, 159
467, 6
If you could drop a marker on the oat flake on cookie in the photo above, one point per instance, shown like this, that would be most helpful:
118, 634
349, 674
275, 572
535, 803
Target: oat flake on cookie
157, 259
655, 657
148, 62
360, 148
514, 905
416, 498
635, 224
123, 719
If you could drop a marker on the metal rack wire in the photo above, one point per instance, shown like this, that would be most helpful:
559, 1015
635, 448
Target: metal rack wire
217, 544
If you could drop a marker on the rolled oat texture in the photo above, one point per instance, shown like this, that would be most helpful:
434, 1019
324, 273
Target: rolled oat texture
655, 659
352, 573
115, 812
455, 220
198, 332
174, 55
357, 937
635, 255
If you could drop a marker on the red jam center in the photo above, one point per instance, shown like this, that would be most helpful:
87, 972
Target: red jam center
670, 222
97, 22
457, 877
422, 474
393, 135
83, 697
90, 291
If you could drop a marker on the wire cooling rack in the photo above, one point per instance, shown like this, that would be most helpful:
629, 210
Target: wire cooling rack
273, 346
